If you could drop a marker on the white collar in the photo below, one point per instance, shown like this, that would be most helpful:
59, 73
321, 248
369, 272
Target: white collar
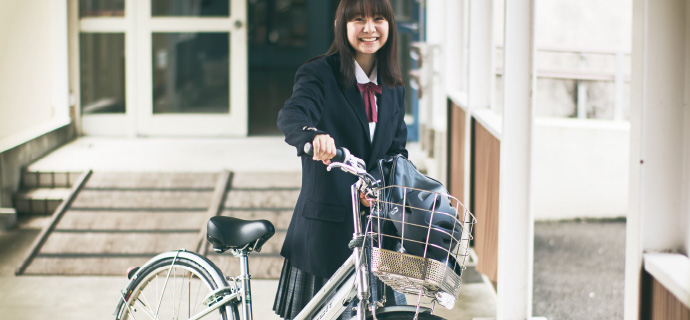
362, 77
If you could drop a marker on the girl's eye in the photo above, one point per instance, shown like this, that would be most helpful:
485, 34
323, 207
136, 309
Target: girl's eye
358, 19
380, 18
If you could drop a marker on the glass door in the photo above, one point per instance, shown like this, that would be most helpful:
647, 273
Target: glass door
103, 54
193, 68
183, 65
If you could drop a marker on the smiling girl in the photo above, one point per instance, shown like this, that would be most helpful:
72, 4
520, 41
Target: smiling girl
352, 97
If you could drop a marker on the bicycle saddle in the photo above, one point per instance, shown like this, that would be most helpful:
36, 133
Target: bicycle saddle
226, 233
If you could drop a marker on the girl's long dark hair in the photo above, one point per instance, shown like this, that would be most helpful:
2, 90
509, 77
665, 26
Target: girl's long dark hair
386, 57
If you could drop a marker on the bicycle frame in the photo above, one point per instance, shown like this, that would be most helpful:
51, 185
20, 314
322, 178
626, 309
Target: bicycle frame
356, 282
350, 280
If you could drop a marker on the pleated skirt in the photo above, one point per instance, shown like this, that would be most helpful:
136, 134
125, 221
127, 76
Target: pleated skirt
297, 287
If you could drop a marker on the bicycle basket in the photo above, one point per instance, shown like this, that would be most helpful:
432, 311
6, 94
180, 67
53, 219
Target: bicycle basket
420, 241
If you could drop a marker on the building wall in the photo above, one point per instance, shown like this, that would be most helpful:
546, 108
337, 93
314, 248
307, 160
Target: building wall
29, 53
588, 23
580, 169
34, 90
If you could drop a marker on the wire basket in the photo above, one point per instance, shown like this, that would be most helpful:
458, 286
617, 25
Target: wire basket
420, 241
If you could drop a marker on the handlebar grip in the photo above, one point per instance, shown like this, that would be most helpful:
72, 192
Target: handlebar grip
340, 153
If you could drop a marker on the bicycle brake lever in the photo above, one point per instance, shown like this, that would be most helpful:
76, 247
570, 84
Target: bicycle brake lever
344, 167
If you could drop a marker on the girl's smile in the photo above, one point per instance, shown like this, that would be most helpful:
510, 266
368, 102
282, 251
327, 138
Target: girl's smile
367, 35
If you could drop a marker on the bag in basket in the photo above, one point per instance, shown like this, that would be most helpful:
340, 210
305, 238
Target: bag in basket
424, 207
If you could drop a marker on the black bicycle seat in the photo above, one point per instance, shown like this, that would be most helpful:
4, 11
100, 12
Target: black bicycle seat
226, 233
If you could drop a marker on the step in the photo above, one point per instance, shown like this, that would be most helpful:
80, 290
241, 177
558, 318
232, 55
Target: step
39, 201
156, 200
131, 220
264, 180
49, 179
269, 198
152, 180
8, 218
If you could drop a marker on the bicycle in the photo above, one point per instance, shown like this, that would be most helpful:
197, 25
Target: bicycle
185, 285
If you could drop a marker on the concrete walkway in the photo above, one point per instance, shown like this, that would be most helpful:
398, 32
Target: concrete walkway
50, 297
73, 298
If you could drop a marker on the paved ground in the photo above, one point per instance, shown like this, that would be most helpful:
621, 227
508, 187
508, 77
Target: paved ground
72, 297
579, 270
578, 265
89, 297
578, 274
52, 297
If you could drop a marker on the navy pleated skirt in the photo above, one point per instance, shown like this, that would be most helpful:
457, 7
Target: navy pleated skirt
296, 287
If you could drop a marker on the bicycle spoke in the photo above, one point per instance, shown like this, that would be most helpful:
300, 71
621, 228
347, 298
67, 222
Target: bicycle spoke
165, 285
176, 311
170, 290
146, 306
173, 291
198, 291
189, 296
145, 303
129, 307
144, 310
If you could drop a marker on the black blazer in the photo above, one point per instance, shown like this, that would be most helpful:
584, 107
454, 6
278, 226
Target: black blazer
322, 224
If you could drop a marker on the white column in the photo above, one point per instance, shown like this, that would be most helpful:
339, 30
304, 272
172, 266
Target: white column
456, 75
516, 223
686, 141
73, 61
481, 44
658, 112
60, 94
453, 44
435, 37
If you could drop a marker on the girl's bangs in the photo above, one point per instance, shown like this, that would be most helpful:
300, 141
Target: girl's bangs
367, 8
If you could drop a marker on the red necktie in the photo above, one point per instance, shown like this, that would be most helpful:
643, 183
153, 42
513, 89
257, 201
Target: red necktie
369, 103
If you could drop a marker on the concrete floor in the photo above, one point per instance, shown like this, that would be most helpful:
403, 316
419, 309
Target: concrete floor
578, 270
54, 297
253, 154
89, 297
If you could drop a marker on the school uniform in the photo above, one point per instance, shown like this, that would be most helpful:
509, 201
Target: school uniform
321, 226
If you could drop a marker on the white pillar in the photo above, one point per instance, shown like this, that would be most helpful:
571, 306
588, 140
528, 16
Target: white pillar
436, 34
73, 61
453, 45
516, 222
435, 37
658, 113
481, 44
457, 19
686, 154
60, 94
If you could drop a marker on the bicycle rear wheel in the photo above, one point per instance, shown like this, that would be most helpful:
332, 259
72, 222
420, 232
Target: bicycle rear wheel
166, 290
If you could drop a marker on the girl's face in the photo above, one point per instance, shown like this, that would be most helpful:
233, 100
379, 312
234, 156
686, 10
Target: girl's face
367, 34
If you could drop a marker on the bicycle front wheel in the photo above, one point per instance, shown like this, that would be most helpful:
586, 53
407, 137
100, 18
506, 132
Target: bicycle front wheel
402, 313
173, 288
405, 316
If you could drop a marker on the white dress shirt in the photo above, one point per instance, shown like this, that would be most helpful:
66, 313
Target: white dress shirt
364, 79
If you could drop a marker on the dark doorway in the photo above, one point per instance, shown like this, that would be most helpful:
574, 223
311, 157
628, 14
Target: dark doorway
282, 35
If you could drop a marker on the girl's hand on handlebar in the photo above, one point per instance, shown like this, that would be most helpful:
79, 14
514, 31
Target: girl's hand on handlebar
324, 148
364, 200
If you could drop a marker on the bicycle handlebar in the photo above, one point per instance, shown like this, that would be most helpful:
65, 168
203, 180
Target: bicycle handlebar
341, 154
351, 164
